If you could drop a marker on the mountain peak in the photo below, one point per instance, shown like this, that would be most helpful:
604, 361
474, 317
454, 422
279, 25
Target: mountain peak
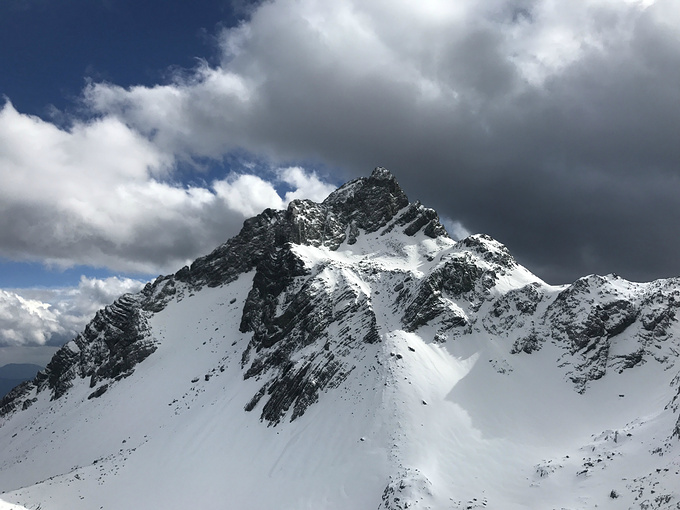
383, 173
369, 202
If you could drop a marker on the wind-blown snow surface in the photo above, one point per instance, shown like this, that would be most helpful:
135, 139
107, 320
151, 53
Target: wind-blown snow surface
439, 413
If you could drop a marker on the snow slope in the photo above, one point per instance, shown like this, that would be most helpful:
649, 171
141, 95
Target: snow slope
476, 392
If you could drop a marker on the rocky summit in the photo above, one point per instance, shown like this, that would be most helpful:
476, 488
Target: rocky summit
350, 354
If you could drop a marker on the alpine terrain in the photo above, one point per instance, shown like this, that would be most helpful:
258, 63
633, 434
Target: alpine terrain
351, 355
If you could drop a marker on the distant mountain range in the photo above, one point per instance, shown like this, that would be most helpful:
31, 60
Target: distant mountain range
14, 374
350, 355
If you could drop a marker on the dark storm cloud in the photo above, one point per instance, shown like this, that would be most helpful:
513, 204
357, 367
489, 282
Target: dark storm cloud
549, 125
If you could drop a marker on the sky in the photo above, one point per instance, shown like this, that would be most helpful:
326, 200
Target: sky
137, 136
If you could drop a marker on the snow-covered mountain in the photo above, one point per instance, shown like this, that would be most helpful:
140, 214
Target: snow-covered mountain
351, 355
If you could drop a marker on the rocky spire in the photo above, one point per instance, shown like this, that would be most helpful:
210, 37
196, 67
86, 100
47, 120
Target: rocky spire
368, 203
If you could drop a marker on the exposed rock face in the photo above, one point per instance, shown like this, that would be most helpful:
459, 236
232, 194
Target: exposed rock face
109, 348
457, 277
588, 316
512, 310
309, 319
111, 345
16, 399
289, 308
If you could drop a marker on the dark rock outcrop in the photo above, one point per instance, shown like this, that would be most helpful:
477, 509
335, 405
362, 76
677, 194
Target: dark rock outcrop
459, 277
111, 345
288, 308
588, 316
512, 311
16, 398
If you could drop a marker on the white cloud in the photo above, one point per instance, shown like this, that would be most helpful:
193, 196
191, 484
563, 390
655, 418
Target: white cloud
247, 194
101, 194
26, 321
36, 317
304, 184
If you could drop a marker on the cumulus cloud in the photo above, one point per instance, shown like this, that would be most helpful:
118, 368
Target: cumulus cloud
304, 185
38, 317
550, 125
249, 195
101, 194
25, 321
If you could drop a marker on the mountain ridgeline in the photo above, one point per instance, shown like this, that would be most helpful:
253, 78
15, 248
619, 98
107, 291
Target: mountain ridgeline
359, 323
